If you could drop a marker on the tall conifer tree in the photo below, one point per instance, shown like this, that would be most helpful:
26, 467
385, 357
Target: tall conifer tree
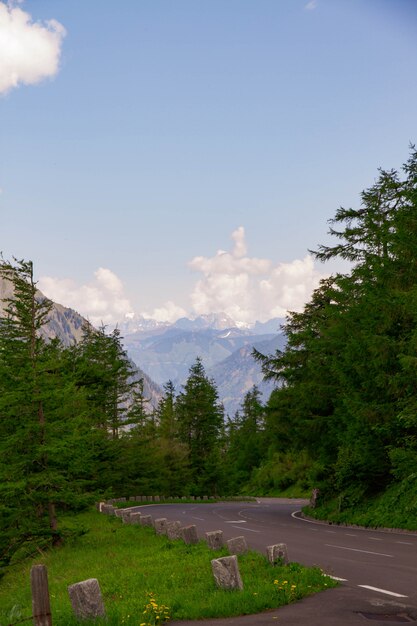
33, 394
200, 418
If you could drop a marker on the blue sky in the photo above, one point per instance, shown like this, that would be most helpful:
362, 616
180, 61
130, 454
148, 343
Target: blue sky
166, 126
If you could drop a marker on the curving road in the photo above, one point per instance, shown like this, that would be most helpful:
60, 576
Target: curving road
377, 566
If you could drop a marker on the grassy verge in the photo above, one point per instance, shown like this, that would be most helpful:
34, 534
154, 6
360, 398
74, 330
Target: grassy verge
130, 562
395, 508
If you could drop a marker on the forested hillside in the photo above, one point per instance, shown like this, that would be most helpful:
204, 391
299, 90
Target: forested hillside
348, 401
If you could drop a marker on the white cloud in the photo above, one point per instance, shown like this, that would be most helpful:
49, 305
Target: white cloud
29, 51
169, 312
245, 288
102, 301
310, 6
250, 289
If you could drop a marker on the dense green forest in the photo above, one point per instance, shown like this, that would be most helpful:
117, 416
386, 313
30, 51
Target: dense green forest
75, 424
345, 416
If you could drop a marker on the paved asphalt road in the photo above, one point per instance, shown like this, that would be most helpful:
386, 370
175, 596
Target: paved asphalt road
378, 569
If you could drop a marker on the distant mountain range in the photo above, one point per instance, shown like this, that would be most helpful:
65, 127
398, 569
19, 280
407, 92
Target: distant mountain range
163, 352
166, 352
216, 321
239, 372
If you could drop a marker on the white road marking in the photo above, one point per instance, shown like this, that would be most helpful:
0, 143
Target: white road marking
329, 545
375, 538
332, 532
303, 519
350, 535
314, 530
405, 543
323, 523
342, 580
235, 521
245, 529
199, 518
389, 593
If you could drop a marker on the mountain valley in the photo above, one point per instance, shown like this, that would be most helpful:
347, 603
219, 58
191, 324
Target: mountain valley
167, 352
162, 352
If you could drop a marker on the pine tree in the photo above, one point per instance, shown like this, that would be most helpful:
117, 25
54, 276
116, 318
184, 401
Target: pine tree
165, 413
105, 373
35, 398
200, 426
246, 439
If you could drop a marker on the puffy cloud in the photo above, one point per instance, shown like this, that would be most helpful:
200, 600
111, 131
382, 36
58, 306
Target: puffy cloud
245, 288
250, 289
169, 312
310, 6
102, 301
231, 263
109, 281
238, 237
29, 51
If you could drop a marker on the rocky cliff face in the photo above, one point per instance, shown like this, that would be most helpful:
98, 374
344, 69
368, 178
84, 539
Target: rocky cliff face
63, 323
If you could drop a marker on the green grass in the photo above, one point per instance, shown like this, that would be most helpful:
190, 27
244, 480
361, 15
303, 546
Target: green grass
395, 508
131, 562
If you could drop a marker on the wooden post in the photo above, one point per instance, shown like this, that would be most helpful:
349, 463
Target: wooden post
41, 607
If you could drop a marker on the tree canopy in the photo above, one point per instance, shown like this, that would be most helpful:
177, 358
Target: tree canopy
348, 392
